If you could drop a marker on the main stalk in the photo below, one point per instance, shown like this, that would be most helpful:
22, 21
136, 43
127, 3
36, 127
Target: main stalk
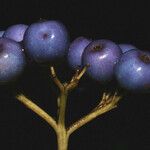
62, 137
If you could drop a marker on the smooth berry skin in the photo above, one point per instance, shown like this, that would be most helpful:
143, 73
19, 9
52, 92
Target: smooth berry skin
46, 41
133, 70
1, 33
12, 60
75, 52
101, 56
15, 32
126, 47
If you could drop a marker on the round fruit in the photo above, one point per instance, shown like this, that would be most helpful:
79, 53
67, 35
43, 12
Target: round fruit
126, 47
101, 56
133, 70
46, 41
16, 32
75, 52
12, 60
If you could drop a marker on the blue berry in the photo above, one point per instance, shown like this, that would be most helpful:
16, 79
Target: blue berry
15, 32
126, 47
12, 60
46, 41
1, 33
101, 55
75, 52
133, 70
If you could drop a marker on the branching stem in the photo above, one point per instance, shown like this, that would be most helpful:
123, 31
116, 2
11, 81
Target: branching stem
63, 133
110, 103
39, 111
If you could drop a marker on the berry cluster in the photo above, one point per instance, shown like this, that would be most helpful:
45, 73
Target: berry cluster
48, 41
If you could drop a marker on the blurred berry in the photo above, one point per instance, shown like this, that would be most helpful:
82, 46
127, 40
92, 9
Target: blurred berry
12, 60
75, 52
126, 47
1, 33
15, 32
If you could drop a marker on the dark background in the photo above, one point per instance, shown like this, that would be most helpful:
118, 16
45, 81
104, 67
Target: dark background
125, 128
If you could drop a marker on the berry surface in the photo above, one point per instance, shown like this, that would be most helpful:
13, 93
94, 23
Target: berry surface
12, 60
1, 33
101, 56
46, 41
15, 32
133, 70
75, 52
126, 47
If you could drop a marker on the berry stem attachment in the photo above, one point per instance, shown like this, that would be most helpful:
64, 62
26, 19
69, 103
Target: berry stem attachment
55, 78
65, 88
75, 79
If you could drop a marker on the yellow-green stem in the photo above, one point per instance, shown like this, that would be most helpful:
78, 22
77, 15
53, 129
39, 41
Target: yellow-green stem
62, 139
107, 103
62, 136
62, 107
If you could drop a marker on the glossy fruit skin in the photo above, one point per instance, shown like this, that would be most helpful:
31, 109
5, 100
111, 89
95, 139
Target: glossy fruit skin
1, 33
15, 32
12, 60
126, 47
46, 41
75, 52
133, 70
101, 55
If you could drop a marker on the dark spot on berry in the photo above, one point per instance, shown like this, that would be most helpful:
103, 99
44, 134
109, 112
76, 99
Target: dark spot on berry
45, 36
144, 58
97, 48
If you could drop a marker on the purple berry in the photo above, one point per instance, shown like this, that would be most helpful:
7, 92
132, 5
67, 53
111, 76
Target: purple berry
1, 33
12, 60
101, 55
16, 32
46, 41
75, 52
133, 70
126, 47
